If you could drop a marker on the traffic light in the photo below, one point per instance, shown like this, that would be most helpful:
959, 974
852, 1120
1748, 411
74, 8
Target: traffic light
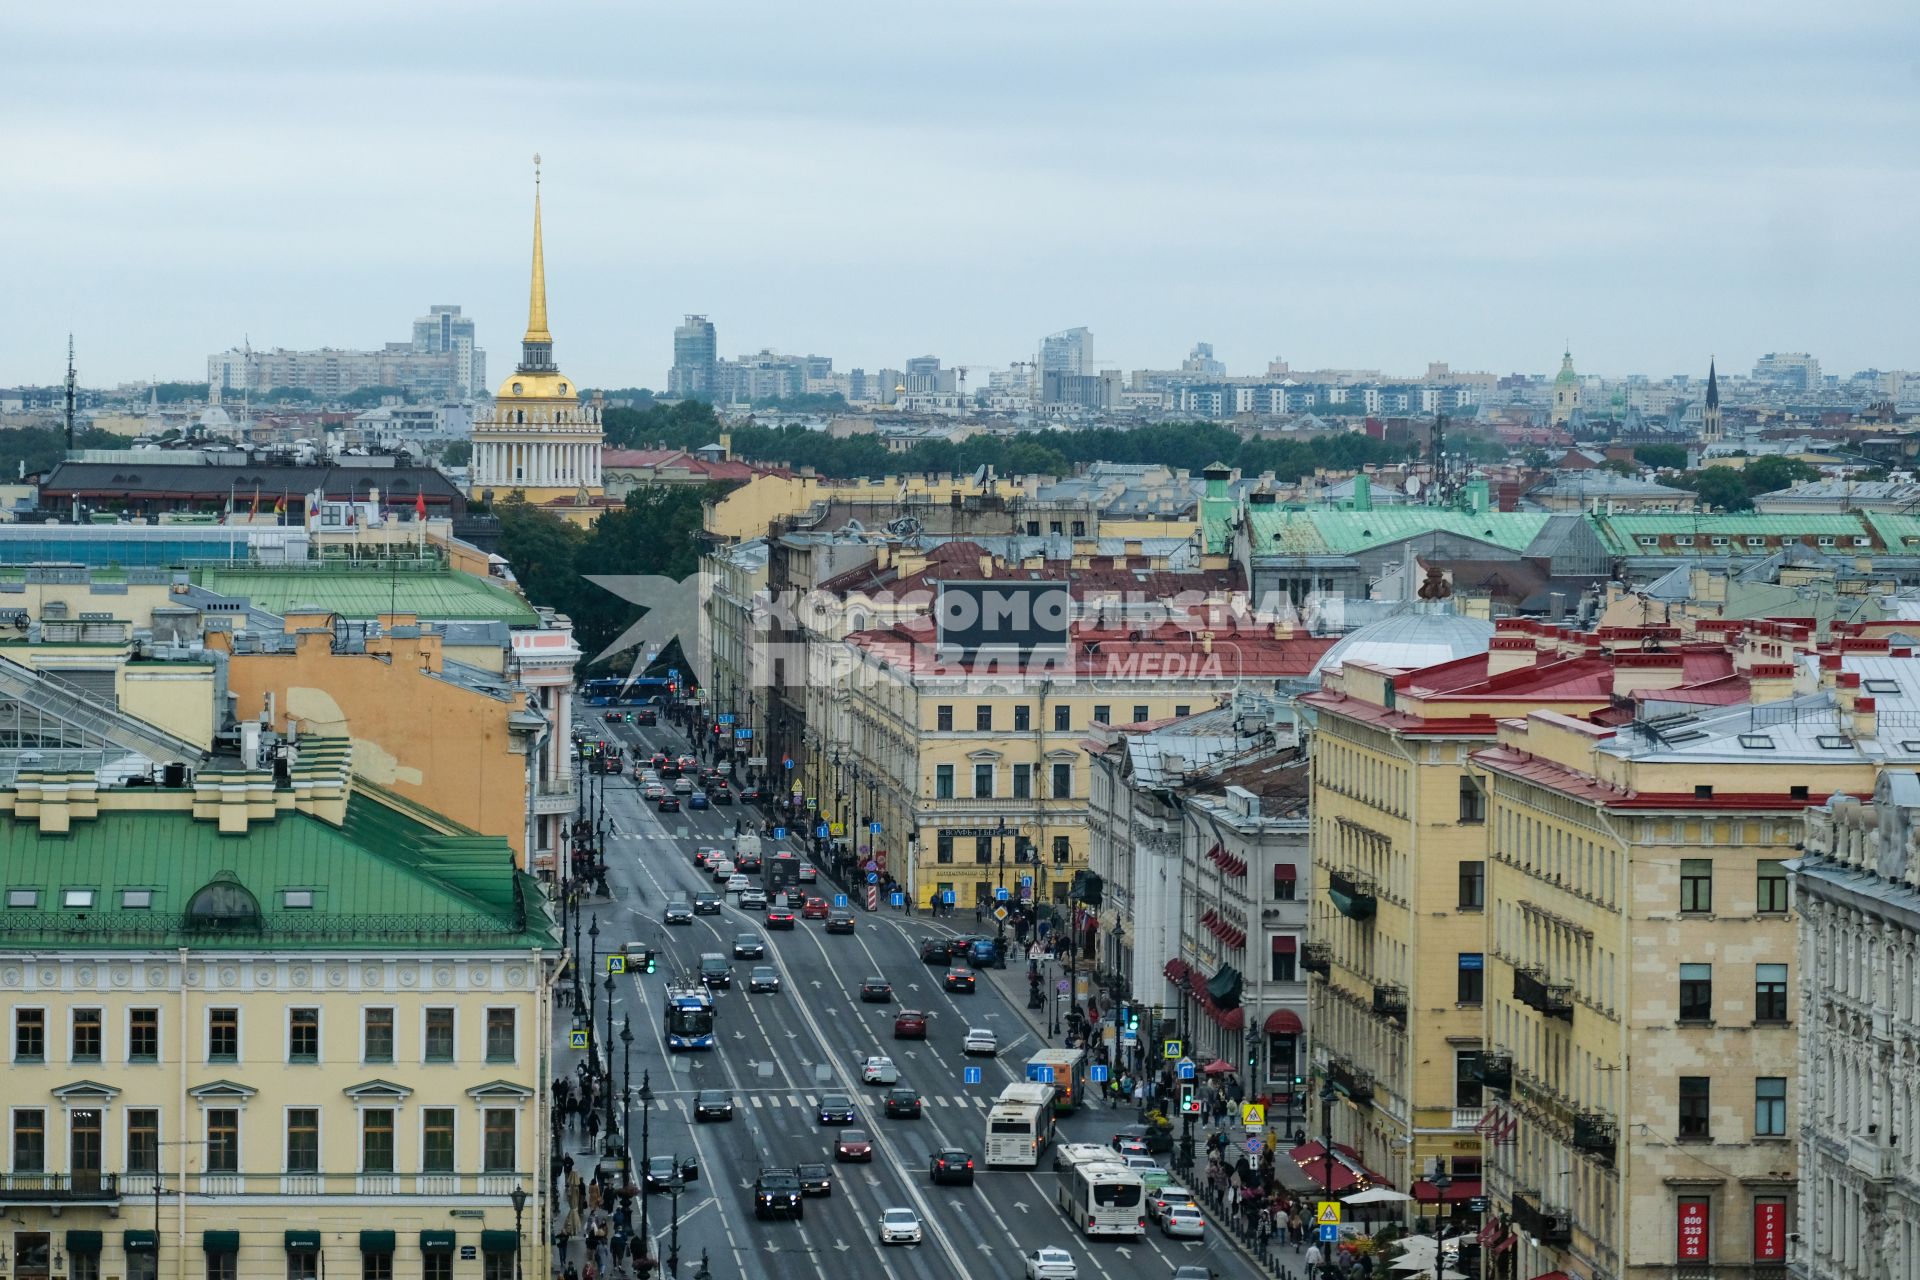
641, 960
1189, 1103
1131, 1017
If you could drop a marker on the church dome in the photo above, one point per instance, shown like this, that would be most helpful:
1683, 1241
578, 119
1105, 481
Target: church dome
1408, 641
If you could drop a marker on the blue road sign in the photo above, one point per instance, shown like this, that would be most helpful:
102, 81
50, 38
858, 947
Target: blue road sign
899, 898
1097, 1073
779, 833
673, 673
1000, 894
946, 898
839, 899
1026, 882
873, 877
1040, 1071
971, 1075
1129, 1037
821, 830
742, 734
725, 717
1329, 1234
874, 827
1186, 1068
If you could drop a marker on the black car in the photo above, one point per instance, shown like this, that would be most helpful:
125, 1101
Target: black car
840, 922
720, 794
668, 803
959, 979
748, 946
934, 951
752, 795
679, 913
763, 978
950, 1164
875, 990
706, 904
715, 971
777, 1194
836, 1108
903, 1103
659, 1172
815, 1180
646, 715
713, 1104
748, 864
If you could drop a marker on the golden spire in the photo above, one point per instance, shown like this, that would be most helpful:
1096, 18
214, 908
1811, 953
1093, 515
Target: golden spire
537, 303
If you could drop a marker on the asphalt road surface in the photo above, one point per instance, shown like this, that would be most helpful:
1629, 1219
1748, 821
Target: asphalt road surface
778, 1053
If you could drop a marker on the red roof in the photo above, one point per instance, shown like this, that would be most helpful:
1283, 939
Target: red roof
1457, 1190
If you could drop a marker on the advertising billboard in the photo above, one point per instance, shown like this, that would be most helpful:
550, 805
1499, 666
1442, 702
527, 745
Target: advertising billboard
1692, 1243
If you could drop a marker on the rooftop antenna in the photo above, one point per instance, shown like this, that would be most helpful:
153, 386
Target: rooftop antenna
70, 393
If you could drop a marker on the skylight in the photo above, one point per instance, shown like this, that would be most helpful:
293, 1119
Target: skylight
1834, 741
1882, 685
1756, 741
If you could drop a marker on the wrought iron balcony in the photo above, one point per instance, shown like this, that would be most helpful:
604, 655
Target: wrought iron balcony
59, 1188
1596, 1133
1356, 1084
1353, 896
1391, 1002
1554, 999
1549, 1226
1493, 1068
1317, 957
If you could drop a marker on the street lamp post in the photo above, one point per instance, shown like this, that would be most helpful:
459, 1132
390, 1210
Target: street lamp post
646, 1135
675, 1185
1001, 933
579, 1000
626, 1098
612, 1133
1326, 1138
519, 1199
593, 962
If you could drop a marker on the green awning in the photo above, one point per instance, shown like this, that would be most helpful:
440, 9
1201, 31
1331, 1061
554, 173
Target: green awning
220, 1241
83, 1241
303, 1240
499, 1241
436, 1242
140, 1241
376, 1242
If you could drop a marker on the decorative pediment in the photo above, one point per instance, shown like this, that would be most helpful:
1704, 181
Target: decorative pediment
84, 1091
222, 1091
499, 1091
377, 1091
984, 755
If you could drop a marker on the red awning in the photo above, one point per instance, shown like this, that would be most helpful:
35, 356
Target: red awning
1283, 1022
1285, 871
1206, 920
1176, 969
1553, 1275
1348, 1173
1228, 1019
1284, 944
1458, 1190
1197, 983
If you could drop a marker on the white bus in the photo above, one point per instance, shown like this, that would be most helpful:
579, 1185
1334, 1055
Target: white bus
1020, 1125
1104, 1199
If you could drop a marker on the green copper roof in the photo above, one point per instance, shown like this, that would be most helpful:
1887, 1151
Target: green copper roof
1331, 533
435, 595
383, 880
1621, 533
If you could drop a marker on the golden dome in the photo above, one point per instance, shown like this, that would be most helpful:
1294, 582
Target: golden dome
539, 386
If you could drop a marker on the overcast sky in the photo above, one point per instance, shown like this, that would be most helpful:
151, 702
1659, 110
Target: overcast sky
1358, 185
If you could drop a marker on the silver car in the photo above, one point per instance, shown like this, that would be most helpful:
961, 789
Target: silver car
1184, 1220
899, 1226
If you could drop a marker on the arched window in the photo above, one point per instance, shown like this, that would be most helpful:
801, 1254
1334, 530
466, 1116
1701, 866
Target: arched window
223, 904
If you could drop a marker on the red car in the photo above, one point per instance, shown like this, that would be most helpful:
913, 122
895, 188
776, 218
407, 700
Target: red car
779, 918
910, 1024
853, 1144
815, 909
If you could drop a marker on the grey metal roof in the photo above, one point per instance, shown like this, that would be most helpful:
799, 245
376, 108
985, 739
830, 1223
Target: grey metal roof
1420, 637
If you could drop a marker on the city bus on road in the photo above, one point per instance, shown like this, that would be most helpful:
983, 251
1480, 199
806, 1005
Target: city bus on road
618, 691
689, 1018
1020, 1125
1066, 1071
1101, 1198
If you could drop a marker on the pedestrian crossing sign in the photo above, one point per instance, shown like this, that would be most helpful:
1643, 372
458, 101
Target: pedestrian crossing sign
1328, 1214
616, 963
576, 1039
1253, 1115
1171, 1050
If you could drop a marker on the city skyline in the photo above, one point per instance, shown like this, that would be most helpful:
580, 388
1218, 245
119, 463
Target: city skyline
1638, 190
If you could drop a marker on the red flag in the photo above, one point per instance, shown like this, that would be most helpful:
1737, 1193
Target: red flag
254, 510
420, 505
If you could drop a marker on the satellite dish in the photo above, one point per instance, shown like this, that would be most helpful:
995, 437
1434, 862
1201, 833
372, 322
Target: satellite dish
1413, 486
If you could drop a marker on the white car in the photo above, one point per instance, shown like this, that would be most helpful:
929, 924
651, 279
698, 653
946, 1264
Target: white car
899, 1226
879, 1070
737, 883
982, 1042
1184, 1220
1140, 1164
722, 868
1051, 1264
683, 786
654, 791
1167, 1197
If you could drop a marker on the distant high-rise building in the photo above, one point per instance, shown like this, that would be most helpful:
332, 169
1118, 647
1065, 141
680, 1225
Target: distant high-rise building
444, 331
696, 350
1566, 393
1069, 351
924, 375
1795, 370
440, 362
1201, 361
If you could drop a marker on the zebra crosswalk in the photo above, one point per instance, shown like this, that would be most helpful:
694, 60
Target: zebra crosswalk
763, 1100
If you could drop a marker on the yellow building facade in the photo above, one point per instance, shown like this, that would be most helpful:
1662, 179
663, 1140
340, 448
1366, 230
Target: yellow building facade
272, 1029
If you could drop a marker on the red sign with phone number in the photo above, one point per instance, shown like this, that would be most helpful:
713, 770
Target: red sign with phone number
1769, 1230
1693, 1230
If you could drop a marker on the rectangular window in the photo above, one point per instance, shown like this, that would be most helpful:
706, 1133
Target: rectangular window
376, 1140
303, 1140
436, 1266
1103, 715
1286, 881
29, 1035
1062, 850
377, 1035
223, 1265
1473, 885
943, 719
983, 718
982, 781
143, 1140
30, 1141
1140, 715
303, 1035
143, 1035
439, 1041
1466, 1080
1770, 1107
86, 1035
223, 1140
1696, 993
86, 1266
223, 1035
1770, 993
1696, 885
376, 1266
496, 1152
496, 1266
983, 850
436, 1140
1285, 954
1062, 718
1470, 987
943, 782
1181, 710
1696, 1095
1062, 781
500, 1036
136, 899
1473, 802
303, 1264
1770, 889
1023, 782
143, 1265
23, 897
943, 848
1022, 719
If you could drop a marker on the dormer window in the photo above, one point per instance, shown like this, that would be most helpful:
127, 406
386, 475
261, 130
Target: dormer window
519, 388
82, 898
563, 388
